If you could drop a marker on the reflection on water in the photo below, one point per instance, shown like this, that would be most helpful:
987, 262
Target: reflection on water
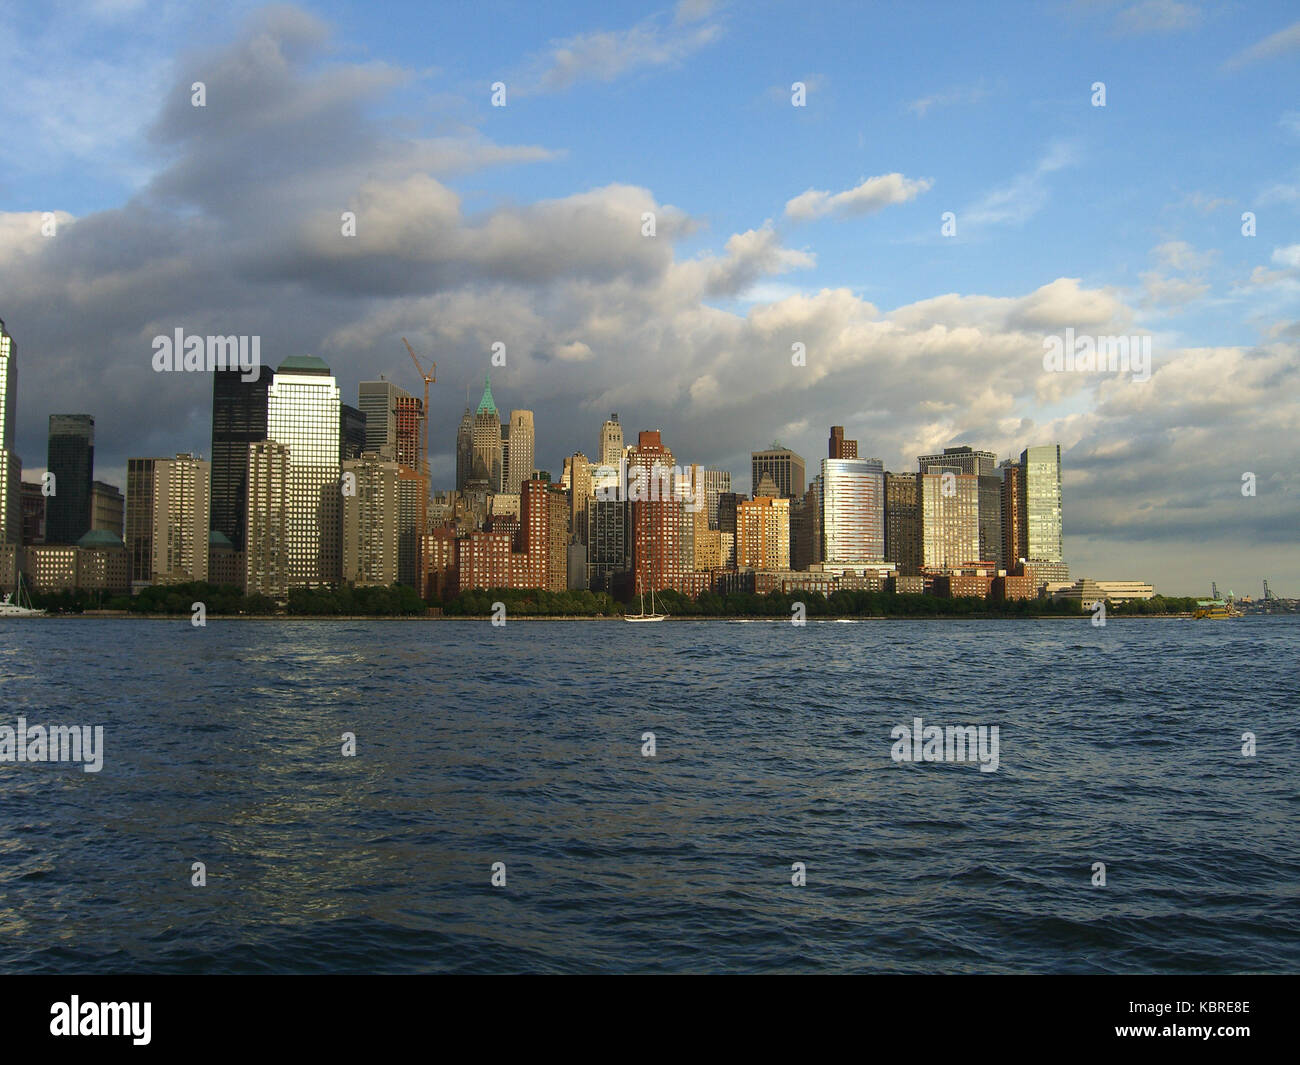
523, 745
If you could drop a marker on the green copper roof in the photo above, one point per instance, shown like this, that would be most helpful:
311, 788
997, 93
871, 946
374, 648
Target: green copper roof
99, 538
303, 364
486, 406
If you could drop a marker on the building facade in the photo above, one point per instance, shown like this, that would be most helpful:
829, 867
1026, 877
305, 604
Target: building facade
71, 459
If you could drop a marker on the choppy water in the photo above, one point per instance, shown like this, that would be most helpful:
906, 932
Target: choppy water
522, 745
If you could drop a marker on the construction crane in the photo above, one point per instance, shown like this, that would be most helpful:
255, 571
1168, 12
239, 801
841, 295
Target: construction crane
429, 379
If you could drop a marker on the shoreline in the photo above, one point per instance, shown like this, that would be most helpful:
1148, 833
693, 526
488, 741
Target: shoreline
124, 616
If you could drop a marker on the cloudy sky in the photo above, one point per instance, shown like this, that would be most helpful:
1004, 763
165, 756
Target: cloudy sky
821, 225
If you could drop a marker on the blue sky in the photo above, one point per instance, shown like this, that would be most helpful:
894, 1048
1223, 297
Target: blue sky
1124, 218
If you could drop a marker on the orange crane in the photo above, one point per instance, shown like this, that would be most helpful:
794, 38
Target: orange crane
429, 379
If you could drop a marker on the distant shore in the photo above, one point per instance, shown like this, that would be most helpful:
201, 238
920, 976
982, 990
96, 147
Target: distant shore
128, 616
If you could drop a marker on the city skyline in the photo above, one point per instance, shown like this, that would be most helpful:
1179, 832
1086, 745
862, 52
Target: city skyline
523, 226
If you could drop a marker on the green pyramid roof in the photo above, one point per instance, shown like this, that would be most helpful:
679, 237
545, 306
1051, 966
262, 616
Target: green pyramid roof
486, 406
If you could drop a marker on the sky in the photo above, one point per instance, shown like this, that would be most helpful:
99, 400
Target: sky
951, 186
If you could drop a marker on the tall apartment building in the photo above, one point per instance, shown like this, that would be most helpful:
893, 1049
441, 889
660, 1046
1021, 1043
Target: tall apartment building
557, 554
611, 442
238, 420
783, 465
464, 450
903, 522
370, 520
519, 467
728, 503
181, 519
267, 534
803, 528
839, 447
139, 519
409, 420
950, 535
852, 495
1015, 543
981, 464
71, 459
763, 534
303, 415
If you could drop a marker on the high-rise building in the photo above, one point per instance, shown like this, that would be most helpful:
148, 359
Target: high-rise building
140, 474
11, 468
950, 537
852, 494
903, 522
557, 555
352, 433
785, 467
378, 400
1044, 536
607, 542
519, 468
303, 415
267, 565
580, 490
181, 519
370, 524
238, 419
464, 450
107, 508
611, 442
763, 534
71, 459
803, 526
981, 464
841, 448
715, 483
487, 442
728, 503
409, 420
1015, 545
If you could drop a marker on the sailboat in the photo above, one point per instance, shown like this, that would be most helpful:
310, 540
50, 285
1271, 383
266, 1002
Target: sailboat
643, 616
12, 604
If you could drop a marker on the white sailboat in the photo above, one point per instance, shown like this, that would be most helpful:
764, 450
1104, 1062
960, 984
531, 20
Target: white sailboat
12, 604
643, 616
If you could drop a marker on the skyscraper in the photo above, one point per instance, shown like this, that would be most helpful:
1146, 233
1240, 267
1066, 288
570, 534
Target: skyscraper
487, 441
352, 433
266, 565
378, 400
611, 442
981, 464
950, 533
107, 508
715, 483
1044, 536
303, 412
903, 522
71, 459
181, 519
11, 507
852, 493
785, 467
238, 419
464, 450
522, 445
763, 534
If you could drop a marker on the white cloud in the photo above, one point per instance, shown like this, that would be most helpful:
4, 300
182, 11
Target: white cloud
1277, 44
872, 195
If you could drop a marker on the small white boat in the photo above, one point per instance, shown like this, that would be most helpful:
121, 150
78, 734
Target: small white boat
12, 604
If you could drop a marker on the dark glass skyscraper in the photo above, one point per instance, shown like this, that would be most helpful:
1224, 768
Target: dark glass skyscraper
238, 419
71, 458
